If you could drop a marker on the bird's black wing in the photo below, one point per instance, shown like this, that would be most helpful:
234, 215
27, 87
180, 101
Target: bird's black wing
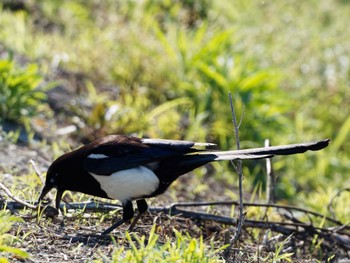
117, 153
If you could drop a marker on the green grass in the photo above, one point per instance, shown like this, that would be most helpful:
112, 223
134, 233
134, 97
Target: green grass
182, 249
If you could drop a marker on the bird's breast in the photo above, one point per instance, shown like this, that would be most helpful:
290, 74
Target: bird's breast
128, 184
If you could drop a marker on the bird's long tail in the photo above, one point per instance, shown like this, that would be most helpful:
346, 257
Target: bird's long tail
265, 152
257, 153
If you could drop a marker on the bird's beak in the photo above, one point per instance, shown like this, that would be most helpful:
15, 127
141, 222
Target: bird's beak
44, 192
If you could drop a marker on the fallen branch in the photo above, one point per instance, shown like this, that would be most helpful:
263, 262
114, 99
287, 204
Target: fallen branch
338, 235
93, 206
298, 229
249, 204
13, 197
287, 228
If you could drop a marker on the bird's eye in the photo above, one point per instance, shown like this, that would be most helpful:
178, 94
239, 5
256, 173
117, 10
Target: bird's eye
53, 179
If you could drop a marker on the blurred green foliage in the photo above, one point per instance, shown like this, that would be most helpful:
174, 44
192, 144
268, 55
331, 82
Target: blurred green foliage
170, 65
6, 239
20, 96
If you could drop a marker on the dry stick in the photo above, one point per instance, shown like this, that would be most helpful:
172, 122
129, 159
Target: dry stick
12, 196
105, 206
286, 207
4, 204
240, 176
286, 228
281, 227
37, 171
270, 178
270, 189
16, 199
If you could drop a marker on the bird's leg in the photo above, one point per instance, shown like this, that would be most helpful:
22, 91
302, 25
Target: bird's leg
128, 213
142, 207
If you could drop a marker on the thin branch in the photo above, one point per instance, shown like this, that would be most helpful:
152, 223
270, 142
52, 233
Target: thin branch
270, 178
37, 171
13, 197
100, 206
234, 120
286, 228
242, 117
239, 171
299, 229
286, 207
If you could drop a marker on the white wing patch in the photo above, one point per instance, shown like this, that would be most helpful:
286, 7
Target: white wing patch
128, 184
97, 156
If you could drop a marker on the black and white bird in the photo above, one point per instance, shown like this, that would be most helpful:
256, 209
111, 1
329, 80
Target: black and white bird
129, 168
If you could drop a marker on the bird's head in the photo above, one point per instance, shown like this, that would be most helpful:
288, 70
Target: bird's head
54, 179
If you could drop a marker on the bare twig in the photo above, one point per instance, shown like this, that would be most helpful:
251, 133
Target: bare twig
236, 203
270, 178
37, 171
240, 176
5, 205
12, 196
235, 126
287, 228
99, 206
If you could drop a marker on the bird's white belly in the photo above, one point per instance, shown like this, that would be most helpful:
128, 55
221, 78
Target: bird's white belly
128, 184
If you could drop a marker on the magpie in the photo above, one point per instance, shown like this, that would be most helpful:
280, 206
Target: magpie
133, 169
